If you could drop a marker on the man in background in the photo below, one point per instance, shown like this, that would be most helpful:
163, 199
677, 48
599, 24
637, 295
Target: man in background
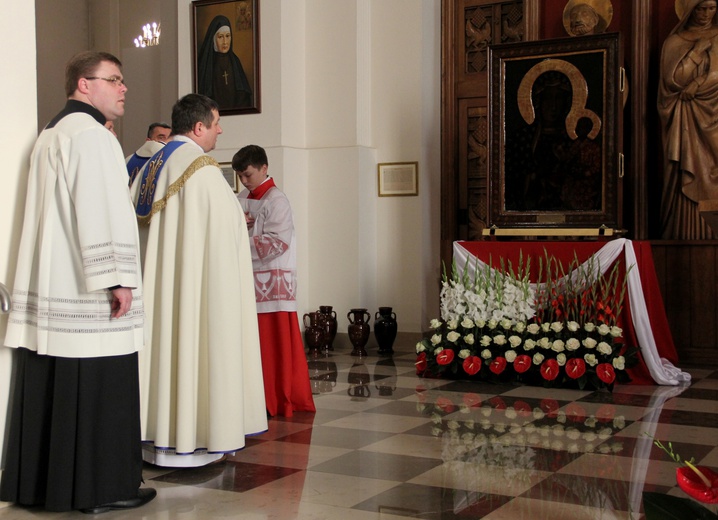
201, 375
157, 135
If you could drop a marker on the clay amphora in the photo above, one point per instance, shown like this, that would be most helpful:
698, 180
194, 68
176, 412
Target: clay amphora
358, 330
385, 330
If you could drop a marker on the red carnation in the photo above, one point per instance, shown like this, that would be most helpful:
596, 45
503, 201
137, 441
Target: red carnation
472, 365
703, 486
575, 368
471, 400
445, 357
522, 363
420, 363
605, 373
550, 369
498, 365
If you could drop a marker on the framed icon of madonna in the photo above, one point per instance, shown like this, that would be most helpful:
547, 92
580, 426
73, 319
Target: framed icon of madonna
555, 133
226, 53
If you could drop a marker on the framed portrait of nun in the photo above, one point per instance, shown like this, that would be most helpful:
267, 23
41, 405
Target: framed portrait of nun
226, 54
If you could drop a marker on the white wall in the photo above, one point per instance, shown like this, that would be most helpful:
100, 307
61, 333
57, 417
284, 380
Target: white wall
347, 84
18, 102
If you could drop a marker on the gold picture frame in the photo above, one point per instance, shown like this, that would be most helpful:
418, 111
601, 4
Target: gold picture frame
398, 179
229, 175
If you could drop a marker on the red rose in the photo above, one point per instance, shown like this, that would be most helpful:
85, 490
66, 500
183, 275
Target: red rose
575, 368
704, 489
472, 365
550, 369
605, 373
445, 357
522, 363
549, 406
445, 404
498, 365
420, 363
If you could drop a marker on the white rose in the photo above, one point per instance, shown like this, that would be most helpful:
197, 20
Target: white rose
492, 324
561, 359
616, 332
529, 344
520, 327
545, 327
467, 323
453, 336
619, 422
604, 348
589, 327
486, 354
572, 344
544, 343
589, 343
505, 323
510, 356
557, 326
590, 359
469, 339
573, 326
437, 351
452, 324
619, 363
436, 339
558, 346
464, 353
435, 324
485, 341
480, 323
500, 339
420, 347
533, 328
603, 329
514, 341
538, 358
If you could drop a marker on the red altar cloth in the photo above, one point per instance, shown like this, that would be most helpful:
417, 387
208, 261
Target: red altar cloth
491, 253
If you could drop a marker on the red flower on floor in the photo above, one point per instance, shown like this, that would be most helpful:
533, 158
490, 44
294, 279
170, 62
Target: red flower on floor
606, 412
522, 363
472, 365
522, 408
497, 403
550, 369
445, 357
445, 404
498, 365
698, 482
471, 400
575, 368
605, 373
575, 413
421, 363
549, 406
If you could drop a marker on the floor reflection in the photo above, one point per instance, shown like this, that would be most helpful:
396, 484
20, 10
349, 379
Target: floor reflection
387, 445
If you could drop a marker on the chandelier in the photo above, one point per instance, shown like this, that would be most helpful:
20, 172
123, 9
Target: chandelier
150, 35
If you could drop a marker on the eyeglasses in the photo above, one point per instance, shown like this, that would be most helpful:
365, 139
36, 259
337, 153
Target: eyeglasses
114, 79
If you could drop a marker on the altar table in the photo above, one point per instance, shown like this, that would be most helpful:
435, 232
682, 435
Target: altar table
644, 319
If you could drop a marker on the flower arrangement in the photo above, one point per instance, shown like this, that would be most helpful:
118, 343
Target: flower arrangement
561, 331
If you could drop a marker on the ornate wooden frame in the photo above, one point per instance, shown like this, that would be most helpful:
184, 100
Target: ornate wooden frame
535, 186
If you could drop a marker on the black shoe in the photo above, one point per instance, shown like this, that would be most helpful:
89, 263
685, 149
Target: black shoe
144, 495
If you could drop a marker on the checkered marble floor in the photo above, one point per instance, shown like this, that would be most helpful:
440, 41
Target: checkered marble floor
385, 444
